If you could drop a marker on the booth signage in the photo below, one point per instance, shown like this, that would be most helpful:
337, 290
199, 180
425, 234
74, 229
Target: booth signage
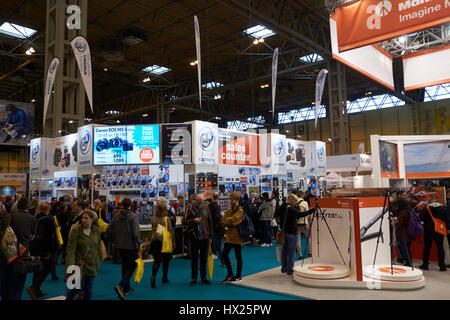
85, 146
238, 148
65, 153
143, 144
176, 144
388, 160
205, 143
427, 160
41, 158
366, 22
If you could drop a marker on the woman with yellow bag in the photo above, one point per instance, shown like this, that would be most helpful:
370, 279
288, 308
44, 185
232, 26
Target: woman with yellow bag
162, 243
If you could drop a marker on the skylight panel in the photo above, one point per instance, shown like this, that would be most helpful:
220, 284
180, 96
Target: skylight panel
16, 31
211, 85
259, 32
156, 70
311, 58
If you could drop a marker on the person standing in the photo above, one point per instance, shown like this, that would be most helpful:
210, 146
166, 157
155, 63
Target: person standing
78, 207
448, 221
400, 223
43, 245
160, 218
24, 226
302, 224
431, 235
253, 206
200, 232
218, 228
231, 219
289, 213
125, 227
85, 251
266, 215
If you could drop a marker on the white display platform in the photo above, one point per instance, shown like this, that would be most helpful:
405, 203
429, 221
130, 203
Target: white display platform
322, 271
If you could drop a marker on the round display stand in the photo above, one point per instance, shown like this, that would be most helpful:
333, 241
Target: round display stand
321, 271
398, 273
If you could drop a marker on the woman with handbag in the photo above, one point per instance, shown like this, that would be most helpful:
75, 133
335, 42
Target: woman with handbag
85, 251
160, 224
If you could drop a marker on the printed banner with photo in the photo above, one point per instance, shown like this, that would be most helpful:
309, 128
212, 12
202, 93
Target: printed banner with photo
65, 153
176, 144
388, 160
16, 122
427, 160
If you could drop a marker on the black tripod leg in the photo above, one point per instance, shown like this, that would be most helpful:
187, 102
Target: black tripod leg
331, 233
307, 239
379, 232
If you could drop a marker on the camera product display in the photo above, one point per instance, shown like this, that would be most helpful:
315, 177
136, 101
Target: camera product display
105, 144
57, 155
66, 157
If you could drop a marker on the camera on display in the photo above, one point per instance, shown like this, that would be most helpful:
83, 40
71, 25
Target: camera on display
57, 157
75, 151
66, 157
116, 142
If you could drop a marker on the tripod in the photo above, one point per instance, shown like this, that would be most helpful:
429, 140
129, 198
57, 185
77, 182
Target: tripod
317, 211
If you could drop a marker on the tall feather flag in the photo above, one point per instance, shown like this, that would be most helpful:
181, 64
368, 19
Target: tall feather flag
274, 79
51, 73
199, 59
320, 83
82, 54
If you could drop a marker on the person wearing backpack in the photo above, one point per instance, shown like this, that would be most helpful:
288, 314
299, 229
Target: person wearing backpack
43, 245
23, 224
302, 224
231, 219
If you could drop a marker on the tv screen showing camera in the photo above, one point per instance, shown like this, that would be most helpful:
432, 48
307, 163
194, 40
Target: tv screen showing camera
126, 145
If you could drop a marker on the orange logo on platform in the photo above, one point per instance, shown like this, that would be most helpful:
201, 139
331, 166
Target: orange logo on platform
394, 270
146, 155
321, 268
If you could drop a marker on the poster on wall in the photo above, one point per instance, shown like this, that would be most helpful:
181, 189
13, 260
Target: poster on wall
41, 158
85, 145
298, 156
427, 160
65, 153
205, 145
238, 148
16, 122
319, 167
142, 144
110, 145
388, 160
176, 146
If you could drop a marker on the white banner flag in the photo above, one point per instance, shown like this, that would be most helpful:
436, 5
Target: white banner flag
320, 83
274, 79
82, 54
199, 65
51, 73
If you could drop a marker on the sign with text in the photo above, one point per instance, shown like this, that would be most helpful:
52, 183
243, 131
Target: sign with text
176, 144
238, 148
370, 21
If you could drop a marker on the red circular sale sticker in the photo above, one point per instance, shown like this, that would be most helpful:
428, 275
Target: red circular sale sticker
146, 155
321, 268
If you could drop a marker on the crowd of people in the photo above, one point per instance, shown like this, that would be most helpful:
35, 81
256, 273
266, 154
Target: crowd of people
84, 235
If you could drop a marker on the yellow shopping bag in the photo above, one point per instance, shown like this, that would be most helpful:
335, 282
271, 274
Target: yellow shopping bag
167, 246
58, 234
210, 263
140, 268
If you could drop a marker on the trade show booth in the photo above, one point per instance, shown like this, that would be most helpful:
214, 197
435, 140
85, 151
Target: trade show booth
349, 170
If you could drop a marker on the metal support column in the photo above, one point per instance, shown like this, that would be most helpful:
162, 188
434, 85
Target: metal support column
66, 109
339, 125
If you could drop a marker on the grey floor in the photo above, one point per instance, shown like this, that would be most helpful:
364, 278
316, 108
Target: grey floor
437, 287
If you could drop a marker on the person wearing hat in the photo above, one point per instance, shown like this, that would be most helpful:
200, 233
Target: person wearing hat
14, 124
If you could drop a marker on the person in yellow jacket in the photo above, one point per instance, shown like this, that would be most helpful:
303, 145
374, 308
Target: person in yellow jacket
231, 219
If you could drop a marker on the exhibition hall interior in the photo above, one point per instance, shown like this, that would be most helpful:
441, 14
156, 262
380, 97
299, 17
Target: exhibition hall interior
224, 150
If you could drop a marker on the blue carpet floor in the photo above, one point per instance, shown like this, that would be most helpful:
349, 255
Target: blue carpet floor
255, 259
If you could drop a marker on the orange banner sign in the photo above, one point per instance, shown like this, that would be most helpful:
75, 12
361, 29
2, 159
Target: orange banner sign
360, 23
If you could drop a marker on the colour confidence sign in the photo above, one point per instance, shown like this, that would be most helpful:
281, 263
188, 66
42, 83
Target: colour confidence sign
361, 23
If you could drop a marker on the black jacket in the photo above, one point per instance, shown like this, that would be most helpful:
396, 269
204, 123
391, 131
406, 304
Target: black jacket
428, 223
253, 209
44, 241
24, 226
216, 216
291, 214
125, 230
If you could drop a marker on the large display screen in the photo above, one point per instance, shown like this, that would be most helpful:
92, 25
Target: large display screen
427, 160
388, 160
126, 145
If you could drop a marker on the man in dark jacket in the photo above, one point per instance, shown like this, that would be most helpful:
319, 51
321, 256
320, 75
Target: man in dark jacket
218, 228
431, 235
289, 213
200, 231
24, 226
125, 230
43, 245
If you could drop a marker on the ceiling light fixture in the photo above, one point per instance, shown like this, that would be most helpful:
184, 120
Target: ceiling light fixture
193, 63
146, 79
145, 115
70, 121
33, 100
255, 41
105, 69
